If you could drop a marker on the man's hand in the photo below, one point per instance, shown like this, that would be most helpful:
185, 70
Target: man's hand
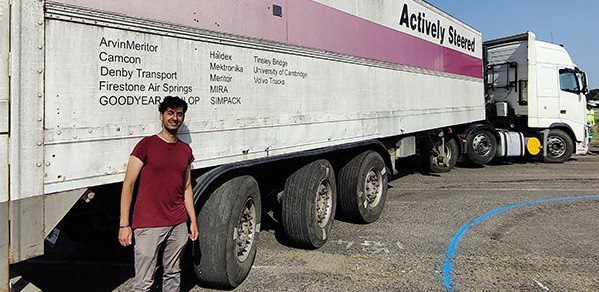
193, 231
125, 236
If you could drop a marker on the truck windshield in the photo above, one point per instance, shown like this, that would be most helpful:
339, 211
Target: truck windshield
568, 81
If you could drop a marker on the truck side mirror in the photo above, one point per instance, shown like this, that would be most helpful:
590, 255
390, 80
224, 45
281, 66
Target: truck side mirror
585, 89
585, 84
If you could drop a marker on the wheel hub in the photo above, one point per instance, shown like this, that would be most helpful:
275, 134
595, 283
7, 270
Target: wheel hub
324, 202
556, 146
246, 230
373, 188
481, 144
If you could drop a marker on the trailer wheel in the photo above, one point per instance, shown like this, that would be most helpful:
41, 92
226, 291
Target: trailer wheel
229, 225
559, 147
362, 187
481, 147
309, 203
451, 151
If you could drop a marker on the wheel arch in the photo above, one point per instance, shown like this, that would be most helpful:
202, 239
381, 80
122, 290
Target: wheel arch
566, 128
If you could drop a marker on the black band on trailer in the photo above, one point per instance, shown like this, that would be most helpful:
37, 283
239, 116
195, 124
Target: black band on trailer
207, 180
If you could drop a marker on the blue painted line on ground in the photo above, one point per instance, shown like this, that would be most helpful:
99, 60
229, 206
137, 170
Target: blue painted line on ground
448, 264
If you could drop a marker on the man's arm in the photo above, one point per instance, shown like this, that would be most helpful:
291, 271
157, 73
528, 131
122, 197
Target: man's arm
189, 207
133, 169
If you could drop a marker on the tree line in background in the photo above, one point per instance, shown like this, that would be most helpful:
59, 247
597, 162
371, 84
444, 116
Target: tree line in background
593, 94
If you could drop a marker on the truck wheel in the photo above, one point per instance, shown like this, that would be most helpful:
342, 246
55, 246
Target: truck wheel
229, 225
559, 147
308, 206
362, 187
451, 151
481, 147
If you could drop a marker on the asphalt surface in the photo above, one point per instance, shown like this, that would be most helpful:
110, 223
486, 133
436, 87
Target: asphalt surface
508, 226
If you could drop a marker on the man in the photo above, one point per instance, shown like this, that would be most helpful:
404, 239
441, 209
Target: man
590, 118
164, 200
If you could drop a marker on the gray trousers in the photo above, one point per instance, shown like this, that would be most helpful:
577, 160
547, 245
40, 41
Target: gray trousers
148, 243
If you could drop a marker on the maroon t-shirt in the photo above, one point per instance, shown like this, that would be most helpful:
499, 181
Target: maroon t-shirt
160, 197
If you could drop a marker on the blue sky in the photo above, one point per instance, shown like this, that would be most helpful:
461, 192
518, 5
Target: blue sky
575, 24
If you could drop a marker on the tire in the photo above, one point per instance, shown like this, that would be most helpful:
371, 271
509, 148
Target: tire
452, 153
559, 147
309, 203
362, 187
229, 224
481, 148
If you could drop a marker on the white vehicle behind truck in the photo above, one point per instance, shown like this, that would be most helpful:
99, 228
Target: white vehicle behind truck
297, 109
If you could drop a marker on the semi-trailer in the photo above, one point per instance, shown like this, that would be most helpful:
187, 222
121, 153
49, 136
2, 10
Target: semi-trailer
297, 110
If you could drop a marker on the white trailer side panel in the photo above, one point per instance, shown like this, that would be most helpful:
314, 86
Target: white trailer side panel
429, 23
4, 102
4, 118
25, 145
316, 85
247, 100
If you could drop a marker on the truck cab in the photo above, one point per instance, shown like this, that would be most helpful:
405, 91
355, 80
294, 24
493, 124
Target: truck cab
534, 88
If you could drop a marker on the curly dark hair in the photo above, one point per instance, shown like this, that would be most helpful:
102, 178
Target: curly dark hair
172, 102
